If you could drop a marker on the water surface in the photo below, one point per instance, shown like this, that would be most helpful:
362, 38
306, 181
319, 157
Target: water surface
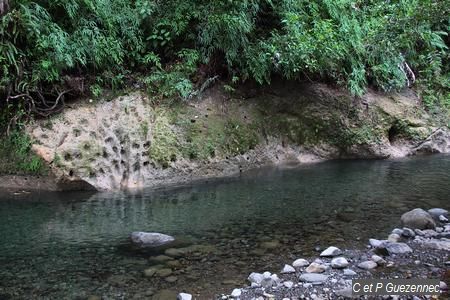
72, 245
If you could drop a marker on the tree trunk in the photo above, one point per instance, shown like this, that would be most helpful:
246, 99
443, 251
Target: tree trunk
4, 7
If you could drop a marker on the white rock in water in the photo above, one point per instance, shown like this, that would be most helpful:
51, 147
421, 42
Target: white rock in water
398, 248
339, 263
256, 278
367, 265
184, 296
331, 251
300, 263
150, 239
236, 293
287, 269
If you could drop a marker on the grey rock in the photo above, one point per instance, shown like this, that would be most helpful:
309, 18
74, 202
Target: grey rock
288, 284
311, 277
345, 293
236, 293
171, 279
441, 244
298, 263
418, 219
398, 248
443, 219
393, 237
367, 265
443, 286
397, 231
437, 212
408, 232
287, 269
316, 268
150, 239
378, 260
339, 263
184, 296
349, 272
331, 251
376, 243
256, 278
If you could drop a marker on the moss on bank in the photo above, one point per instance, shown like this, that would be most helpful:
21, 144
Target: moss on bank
16, 157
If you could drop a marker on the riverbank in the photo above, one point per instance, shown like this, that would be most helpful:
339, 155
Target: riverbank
405, 253
132, 142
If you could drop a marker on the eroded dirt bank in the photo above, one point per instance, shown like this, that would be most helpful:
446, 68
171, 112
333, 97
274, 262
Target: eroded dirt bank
131, 142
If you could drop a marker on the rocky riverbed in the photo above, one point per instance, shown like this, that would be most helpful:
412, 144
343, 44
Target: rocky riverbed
415, 252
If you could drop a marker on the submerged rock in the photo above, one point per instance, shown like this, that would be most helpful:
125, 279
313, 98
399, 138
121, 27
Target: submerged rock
418, 219
150, 239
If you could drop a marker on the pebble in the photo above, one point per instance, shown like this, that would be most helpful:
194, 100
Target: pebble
442, 218
367, 265
256, 277
300, 263
315, 268
393, 237
376, 243
331, 251
339, 263
397, 231
287, 269
184, 296
311, 277
349, 272
171, 279
408, 232
236, 293
398, 248
288, 284
443, 286
378, 260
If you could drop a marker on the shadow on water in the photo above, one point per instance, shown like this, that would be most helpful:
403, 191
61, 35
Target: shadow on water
226, 228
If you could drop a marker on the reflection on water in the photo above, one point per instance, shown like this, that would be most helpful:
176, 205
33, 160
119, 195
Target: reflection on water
74, 237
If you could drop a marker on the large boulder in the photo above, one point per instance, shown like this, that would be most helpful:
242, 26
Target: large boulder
150, 239
418, 219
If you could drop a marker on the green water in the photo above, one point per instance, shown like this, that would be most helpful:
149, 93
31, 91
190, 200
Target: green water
72, 245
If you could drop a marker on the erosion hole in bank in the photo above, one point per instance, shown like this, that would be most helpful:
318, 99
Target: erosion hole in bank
146, 145
105, 153
393, 134
67, 157
115, 149
109, 140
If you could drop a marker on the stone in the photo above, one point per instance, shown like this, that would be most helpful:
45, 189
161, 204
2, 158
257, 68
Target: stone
160, 258
164, 272
314, 278
165, 295
442, 244
437, 212
418, 219
346, 293
339, 263
367, 265
298, 263
184, 296
443, 219
315, 268
287, 269
378, 260
236, 293
288, 284
376, 243
270, 245
330, 252
174, 252
256, 278
171, 279
150, 239
443, 286
349, 272
150, 272
397, 231
398, 248
408, 232
393, 237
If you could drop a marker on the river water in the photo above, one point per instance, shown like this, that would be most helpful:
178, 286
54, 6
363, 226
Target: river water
74, 245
